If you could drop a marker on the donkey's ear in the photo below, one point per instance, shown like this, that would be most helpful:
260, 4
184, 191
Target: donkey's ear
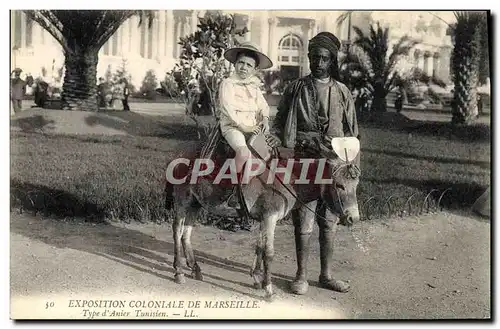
346, 148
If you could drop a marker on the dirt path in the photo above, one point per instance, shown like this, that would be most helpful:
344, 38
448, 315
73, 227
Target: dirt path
437, 266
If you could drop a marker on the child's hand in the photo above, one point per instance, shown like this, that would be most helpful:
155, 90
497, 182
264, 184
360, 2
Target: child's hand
257, 130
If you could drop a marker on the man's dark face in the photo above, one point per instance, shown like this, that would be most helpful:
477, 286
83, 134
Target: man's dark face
320, 60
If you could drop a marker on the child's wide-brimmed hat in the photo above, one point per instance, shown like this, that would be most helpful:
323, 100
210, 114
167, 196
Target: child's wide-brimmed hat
232, 54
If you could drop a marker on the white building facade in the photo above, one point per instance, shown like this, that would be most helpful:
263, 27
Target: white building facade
283, 35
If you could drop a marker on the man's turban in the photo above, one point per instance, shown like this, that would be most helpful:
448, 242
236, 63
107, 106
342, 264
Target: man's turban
325, 40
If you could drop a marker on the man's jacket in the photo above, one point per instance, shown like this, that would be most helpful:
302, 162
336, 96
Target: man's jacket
297, 116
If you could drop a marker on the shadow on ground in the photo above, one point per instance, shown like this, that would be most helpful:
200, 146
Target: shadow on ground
135, 124
38, 199
133, 248
32, 123
398, 122
457, 196
482, 164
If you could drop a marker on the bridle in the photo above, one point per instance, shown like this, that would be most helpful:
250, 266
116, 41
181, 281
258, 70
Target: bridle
353, 169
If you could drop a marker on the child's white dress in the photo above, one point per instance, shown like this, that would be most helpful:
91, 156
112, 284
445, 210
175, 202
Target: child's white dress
242, 108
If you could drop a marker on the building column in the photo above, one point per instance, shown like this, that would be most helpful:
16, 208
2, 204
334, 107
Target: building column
135, 38
125, 38
23, 30
36, 33
445, 64
248, 24
435, 66
154, 31
310, 34
170, 41
264, 32
427, 64
272, 46
178, 28
194, 21
160, 51
317, 27
186, 26
312, 29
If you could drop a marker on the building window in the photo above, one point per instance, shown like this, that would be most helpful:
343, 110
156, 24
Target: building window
290, 42
290, 49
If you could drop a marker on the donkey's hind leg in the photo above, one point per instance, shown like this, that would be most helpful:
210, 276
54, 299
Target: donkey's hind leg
178, 230
267, 231
191, 217
256, 272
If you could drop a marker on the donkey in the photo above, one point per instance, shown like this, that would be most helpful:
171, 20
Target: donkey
265, 202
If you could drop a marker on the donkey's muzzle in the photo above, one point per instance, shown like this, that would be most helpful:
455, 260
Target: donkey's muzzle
349, 216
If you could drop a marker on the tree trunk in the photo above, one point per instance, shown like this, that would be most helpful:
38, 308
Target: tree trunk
379, 103
79, 87
464, 108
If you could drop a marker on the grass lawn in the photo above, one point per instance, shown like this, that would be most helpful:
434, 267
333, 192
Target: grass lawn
121, 176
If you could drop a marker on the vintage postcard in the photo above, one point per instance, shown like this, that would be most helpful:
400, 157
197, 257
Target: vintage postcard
268, 164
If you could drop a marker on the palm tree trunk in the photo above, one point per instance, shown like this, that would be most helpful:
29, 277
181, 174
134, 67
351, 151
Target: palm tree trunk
79, 87
379, 103
465, 108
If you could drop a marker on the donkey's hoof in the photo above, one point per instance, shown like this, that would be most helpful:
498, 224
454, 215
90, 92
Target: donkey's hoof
258, 280
299, 287
270, 297
180, 279
198, 276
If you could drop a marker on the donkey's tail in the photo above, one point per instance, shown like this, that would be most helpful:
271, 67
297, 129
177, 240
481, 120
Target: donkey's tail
169, 196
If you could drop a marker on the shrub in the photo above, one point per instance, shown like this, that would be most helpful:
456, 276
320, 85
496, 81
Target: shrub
202, 65
149, 84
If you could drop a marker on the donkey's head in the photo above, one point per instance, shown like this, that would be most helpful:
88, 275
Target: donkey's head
344, 172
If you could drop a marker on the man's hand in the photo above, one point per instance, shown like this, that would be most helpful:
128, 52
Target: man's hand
265, 125
273, 140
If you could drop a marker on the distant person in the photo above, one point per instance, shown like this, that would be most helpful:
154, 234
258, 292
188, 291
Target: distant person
126, 94
479, 104
101, 92
41, 93
17, 90
398, 104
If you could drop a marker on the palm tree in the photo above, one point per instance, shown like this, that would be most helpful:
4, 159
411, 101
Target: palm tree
81, 34
377, 69
467, 34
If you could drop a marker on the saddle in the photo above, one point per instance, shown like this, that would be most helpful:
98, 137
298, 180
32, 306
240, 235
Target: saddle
218, 150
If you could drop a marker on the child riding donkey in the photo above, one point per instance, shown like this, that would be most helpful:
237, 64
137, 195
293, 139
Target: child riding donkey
243, 109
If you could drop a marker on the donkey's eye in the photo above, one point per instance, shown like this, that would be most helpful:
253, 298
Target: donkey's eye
340, 186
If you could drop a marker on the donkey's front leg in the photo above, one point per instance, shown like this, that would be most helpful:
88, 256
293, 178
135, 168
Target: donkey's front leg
189, 253
178, 228
268, 241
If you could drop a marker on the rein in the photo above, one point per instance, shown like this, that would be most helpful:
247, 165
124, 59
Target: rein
290, 191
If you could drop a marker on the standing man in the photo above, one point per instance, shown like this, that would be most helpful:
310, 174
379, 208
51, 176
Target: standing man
126, 94
17, 90
314, 109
